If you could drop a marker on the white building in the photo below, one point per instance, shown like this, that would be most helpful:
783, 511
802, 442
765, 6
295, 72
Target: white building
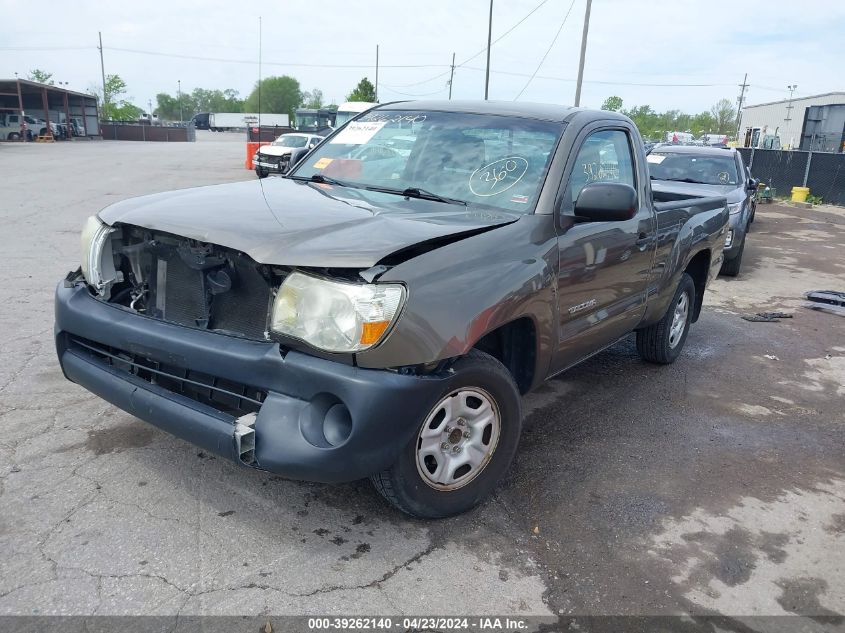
760, 125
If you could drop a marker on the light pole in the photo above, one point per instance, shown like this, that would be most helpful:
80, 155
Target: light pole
179, 92
792, 88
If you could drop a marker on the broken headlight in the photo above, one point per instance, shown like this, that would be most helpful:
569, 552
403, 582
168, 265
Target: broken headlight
335, 316
734, 207
97, 258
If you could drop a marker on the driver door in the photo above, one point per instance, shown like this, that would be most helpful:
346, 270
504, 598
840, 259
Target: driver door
603, 266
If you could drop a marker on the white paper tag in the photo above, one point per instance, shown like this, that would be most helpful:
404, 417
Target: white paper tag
655, 158
358, 133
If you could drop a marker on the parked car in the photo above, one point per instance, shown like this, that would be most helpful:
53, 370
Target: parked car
380, 317
707, 171
12, 126
273, 158
77, 126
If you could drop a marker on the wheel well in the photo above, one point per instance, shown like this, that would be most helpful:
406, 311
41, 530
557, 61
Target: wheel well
515, 346
698, 269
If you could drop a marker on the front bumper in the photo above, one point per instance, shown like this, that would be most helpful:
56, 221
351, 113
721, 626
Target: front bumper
736, 231
384, 407
279, 167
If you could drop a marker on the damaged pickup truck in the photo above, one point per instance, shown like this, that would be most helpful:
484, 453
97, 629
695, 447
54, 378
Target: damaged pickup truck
378, 313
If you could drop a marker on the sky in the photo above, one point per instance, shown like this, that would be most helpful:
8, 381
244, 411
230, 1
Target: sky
670, 54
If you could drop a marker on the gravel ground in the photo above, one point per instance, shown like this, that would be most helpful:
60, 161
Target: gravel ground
714, 486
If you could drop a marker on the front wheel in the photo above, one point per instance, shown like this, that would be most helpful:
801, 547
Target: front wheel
730, 267
463, 445
262, 173
662, 342
14, 136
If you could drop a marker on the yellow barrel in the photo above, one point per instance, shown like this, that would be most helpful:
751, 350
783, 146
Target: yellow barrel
799, 194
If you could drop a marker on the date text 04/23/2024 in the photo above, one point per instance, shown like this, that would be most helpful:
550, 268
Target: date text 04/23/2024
417, 623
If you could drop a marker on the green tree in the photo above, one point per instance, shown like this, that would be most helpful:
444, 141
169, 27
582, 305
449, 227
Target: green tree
202, 100
724, 114
703, 123
312, 98
114, 105
167, 107
614, 104
364, 91
279, 95
41, 76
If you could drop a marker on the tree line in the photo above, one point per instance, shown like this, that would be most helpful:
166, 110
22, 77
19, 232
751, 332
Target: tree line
277, 95
720, 119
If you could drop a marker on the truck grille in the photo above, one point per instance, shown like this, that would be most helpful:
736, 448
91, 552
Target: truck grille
230, 397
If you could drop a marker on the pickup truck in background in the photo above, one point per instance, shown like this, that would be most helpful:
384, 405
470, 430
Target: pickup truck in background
379, 314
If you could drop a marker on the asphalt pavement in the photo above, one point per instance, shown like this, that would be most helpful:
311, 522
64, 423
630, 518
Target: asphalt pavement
712, 486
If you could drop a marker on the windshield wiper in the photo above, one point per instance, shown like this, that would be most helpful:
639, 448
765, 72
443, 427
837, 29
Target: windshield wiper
416, 192
323, 180
689, 180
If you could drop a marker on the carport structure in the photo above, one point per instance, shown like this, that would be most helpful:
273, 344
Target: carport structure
50, 103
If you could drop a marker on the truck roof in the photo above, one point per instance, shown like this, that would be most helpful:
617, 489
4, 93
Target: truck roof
540, 111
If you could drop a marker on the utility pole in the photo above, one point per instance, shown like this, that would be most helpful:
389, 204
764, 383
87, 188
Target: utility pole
739, 103
259, 80
179, 93
103, 71
376, 73
489, 39
583, 53
451, 76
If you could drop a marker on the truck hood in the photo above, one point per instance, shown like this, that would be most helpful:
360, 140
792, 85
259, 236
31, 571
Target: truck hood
734, 193
285, 222
274, 150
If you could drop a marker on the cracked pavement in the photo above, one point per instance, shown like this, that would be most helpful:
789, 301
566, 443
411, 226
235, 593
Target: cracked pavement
714, 486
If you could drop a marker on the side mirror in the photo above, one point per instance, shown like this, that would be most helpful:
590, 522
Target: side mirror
752, 184
606, 202
296, 155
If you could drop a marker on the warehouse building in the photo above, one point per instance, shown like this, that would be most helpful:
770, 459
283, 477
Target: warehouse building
49, 103
780, 124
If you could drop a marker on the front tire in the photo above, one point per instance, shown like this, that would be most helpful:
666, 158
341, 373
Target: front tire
730, 267
261, 173
464, 443
662, 342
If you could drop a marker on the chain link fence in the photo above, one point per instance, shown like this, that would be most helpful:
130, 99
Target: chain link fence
822, 172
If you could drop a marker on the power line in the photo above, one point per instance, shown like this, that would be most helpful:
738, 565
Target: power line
546, 54
473, 56
601, 82
252, 61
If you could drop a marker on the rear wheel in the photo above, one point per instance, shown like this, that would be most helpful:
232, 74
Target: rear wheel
14, 136
662, 342
463, 446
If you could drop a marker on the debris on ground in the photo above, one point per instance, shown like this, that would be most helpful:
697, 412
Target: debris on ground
829, 301
772, 357
766, 317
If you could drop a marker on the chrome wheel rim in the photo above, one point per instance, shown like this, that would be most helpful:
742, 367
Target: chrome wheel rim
458, 439
679, 320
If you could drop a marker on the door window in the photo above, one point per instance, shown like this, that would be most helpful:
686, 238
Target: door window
605, 156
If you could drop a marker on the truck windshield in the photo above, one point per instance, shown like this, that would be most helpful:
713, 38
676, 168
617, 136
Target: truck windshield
480, 159
291, 140
706, 169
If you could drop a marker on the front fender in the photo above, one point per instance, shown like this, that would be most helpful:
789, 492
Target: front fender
462, 291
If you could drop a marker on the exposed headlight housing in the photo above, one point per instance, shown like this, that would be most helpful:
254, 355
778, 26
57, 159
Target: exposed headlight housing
335, 316
734, 207
97, 260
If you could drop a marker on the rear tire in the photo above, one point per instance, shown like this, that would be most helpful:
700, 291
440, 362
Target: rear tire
730, 267
14, 136
463, 446
662, 342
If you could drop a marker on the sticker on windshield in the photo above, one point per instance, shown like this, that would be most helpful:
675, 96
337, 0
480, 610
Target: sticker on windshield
322, 163
498, 176
357, 133
724, 177
655, 158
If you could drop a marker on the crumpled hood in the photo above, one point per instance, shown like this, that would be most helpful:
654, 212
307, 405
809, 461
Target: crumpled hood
274, 150
284, 222
734, 193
